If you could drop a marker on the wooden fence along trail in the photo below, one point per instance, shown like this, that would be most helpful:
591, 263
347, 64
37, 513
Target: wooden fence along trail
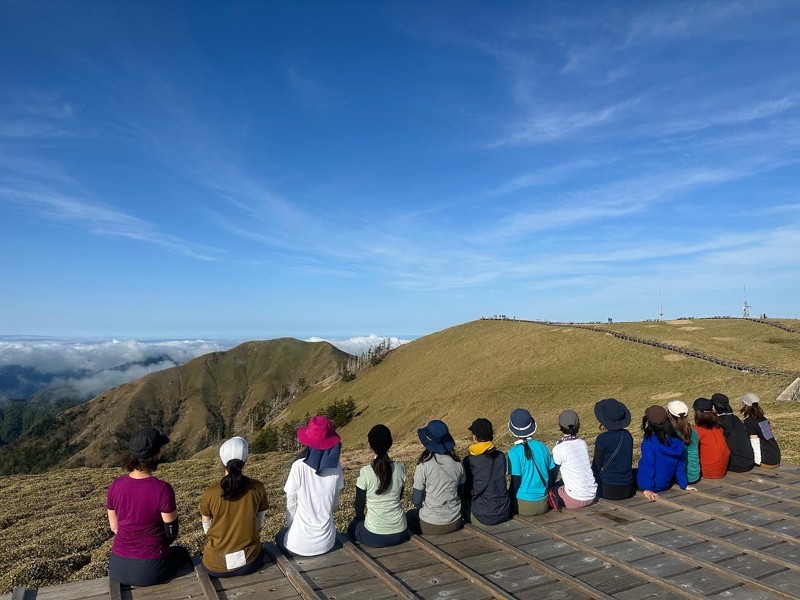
731, 364
735, 538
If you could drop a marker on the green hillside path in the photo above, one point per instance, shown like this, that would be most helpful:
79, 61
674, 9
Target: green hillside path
734, 538
695, 348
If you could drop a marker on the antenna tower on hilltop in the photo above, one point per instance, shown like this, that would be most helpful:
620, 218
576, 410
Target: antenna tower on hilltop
660, 306
746, 307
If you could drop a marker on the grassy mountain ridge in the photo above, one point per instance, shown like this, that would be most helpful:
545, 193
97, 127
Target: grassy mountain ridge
488, 368
482, 368
206, 399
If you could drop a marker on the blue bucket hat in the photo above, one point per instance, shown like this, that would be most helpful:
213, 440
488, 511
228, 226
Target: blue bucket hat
521, 424
612, 414
436, 437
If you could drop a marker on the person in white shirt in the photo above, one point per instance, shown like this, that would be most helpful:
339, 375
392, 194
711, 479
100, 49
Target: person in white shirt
312, 491
571, 454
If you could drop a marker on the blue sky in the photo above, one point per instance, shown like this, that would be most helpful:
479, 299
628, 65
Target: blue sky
251, 169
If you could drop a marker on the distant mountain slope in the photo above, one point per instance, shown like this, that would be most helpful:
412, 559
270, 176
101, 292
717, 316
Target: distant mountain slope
196, 404
488, 368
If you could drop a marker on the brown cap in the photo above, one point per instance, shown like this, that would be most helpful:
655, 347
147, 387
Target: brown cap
656, 414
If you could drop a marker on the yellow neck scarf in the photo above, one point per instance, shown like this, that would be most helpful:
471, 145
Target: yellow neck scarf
480, 448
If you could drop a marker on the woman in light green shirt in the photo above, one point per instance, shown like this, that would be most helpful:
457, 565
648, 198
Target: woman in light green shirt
380, 521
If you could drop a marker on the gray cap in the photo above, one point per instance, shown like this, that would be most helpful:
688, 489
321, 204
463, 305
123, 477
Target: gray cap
749, 399
568, 418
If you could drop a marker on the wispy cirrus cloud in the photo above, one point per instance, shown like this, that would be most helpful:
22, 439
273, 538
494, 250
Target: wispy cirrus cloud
101, 220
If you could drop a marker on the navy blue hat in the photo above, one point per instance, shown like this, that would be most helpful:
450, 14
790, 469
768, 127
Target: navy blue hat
436, 437
612, 414
521, 424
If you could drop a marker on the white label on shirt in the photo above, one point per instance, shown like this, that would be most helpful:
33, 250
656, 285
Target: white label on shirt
234, 560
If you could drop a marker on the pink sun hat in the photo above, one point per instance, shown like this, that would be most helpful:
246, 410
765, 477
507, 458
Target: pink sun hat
318, 434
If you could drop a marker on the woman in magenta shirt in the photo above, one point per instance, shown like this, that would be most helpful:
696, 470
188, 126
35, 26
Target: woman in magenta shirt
143, 516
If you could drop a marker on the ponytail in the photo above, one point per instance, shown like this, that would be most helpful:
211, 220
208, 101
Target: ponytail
382, 465
528, 453
233, 483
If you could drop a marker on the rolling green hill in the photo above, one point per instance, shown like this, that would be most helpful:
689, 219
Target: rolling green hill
208, 398
488, 368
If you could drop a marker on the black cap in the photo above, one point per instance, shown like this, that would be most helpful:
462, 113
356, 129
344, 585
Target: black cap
146, 442
721, 402
482, 428
703, 405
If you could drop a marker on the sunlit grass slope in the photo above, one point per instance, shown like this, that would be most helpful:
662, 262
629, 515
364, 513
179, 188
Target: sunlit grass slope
488, 368
747, 342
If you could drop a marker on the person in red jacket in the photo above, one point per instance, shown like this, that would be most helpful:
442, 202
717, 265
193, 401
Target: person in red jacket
714, 452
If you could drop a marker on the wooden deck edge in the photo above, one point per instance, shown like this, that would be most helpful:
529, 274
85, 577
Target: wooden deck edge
303, 587
204, 579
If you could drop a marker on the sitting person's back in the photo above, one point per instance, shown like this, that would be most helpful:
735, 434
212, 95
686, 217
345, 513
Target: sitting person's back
485, 468
233, 512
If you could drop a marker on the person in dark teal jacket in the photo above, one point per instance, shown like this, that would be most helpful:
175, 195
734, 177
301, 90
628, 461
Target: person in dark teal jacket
663, 455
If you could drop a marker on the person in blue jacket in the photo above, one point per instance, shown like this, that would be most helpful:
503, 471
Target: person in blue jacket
663, 456
613, 451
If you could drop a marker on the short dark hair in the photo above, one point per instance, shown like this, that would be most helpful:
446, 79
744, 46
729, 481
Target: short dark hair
140, 464
663, 431
571, 430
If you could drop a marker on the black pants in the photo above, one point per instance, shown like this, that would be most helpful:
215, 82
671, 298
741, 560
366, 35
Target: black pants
142, 572
618, 492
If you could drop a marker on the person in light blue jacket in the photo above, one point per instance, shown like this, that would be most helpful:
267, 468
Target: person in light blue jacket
663, 455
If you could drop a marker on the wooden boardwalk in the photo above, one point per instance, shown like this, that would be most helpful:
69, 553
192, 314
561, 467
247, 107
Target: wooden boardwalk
735, 538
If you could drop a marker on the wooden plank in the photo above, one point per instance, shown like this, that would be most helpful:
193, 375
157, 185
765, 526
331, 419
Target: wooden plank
302, 586
704, 582
114, 589
184, 586
206, 585
761, 509
719, 542
552, 591
461, 589
520, 578
90, 589
464, 571
536, 561
741, 517
378, 571
626, 553
436, 576
663, 565
365, 588
652, 590
409, 560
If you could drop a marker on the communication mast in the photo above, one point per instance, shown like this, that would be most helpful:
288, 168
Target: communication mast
660, 307
746, 307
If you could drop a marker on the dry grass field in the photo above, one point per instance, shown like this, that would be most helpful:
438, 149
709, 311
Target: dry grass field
53, 526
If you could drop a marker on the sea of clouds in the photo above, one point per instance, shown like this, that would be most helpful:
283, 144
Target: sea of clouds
86, 368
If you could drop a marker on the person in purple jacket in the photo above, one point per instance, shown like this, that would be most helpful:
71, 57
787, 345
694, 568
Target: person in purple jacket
143, 516
663, 455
